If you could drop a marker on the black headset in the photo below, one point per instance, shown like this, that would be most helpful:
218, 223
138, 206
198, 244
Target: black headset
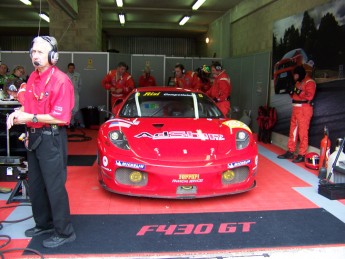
217, 66
183, 70
53, 55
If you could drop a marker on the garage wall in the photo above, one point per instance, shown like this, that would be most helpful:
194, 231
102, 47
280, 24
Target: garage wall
247, 28
250, 80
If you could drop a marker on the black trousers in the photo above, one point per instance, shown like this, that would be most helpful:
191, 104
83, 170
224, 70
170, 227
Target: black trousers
47, 174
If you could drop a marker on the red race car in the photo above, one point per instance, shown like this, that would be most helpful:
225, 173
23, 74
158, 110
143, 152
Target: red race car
167, 142
283, 77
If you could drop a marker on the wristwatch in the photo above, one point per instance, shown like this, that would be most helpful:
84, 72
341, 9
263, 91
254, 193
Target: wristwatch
34, 119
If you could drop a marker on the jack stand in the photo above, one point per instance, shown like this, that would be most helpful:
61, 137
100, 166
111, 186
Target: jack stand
20, 192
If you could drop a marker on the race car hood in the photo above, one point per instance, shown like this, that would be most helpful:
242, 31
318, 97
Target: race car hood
178, 139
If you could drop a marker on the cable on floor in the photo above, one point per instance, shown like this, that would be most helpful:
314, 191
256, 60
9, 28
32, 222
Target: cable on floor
8, 238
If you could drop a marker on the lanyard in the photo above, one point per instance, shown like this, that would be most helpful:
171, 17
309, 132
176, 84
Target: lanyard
40, 97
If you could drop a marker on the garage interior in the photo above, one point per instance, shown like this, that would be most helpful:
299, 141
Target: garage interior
283, 217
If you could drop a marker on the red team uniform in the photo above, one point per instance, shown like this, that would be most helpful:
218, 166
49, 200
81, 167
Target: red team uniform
189, 80
147, 81
302, 111
221, 91
124, 82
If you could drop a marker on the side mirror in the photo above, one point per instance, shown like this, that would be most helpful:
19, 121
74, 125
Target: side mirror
101, 108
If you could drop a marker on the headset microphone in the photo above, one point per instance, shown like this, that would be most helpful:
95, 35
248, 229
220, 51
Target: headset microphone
36, 63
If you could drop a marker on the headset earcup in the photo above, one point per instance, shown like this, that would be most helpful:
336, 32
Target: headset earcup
53, 57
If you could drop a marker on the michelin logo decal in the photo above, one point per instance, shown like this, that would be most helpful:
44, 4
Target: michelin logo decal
130, 165
237, 164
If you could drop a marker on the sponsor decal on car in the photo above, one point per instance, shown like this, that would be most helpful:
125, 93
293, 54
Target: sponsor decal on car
181, 135
188, 178
106, 169
151, 93
123, 123
105, 161
130, 165
240, 163
233, 124
178, 94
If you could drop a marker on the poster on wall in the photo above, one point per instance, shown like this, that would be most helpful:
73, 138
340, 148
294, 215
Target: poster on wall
316, 40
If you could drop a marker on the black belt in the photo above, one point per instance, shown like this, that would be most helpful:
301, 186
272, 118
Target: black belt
46, 130
304, 101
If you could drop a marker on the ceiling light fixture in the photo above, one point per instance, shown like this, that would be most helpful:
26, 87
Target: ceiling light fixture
119, 3
122, 18
198, 4
27, 2
184, 20
207, 40
44, 16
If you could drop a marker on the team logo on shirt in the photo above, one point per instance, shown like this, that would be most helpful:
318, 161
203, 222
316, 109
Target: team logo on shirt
58, 108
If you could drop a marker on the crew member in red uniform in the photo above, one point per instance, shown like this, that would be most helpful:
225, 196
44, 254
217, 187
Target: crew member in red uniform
47, 109
119, 82
146, 79
220, 90
185, 79
302, 111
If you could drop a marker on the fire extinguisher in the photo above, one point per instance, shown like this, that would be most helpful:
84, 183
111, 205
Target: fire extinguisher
325, 147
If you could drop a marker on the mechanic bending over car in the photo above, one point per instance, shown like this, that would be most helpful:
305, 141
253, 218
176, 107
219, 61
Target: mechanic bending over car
46, 111
119, 82
185, 79
302, 94
220, 90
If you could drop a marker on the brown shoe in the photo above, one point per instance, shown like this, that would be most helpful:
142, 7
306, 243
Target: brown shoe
287, 155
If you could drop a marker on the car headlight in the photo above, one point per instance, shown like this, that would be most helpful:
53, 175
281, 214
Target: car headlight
242, 140
119, 139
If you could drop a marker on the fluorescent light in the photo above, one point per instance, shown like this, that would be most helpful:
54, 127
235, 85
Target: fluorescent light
198, 4
122, 18
44, 16
119, 3
184, 20
27, 2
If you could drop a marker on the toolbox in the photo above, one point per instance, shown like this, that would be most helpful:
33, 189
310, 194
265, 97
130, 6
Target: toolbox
335, 190
332, 191
339, 173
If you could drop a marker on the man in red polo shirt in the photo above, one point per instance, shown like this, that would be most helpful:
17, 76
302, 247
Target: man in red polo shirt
119, 82
47, 109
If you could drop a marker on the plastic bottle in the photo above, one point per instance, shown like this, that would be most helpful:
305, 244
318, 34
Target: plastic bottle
333, 156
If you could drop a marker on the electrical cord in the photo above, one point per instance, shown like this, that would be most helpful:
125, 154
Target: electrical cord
78, 137
8, 238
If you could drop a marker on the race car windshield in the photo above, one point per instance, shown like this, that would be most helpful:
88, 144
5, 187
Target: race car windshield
169, 105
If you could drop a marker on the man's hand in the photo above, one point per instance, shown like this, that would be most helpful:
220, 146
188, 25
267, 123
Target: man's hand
12, 119
18, 117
